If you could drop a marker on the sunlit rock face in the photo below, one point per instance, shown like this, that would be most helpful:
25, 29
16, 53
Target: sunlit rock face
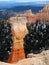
31, 17
43, 14
19, 26
19, 31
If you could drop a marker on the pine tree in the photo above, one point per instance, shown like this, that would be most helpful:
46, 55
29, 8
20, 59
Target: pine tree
37, 39
5, 40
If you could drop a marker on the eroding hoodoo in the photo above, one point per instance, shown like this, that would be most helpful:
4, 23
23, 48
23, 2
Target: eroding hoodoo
19, 30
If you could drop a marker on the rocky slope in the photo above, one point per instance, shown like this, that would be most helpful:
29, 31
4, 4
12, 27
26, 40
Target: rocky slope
37, 59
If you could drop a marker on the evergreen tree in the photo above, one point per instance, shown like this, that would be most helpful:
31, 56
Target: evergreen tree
5, 40
37, 39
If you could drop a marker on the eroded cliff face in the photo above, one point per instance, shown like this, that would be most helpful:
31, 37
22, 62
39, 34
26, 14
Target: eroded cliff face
30, 17
43, 15
18, 23
17, 27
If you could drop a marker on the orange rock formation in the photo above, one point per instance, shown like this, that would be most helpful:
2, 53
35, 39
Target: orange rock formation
19, 30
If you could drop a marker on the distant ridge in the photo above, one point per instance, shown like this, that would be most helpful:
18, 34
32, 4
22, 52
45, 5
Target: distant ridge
5, 4
21, 9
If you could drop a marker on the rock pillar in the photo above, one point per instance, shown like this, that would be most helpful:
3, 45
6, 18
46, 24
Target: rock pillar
19, 30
